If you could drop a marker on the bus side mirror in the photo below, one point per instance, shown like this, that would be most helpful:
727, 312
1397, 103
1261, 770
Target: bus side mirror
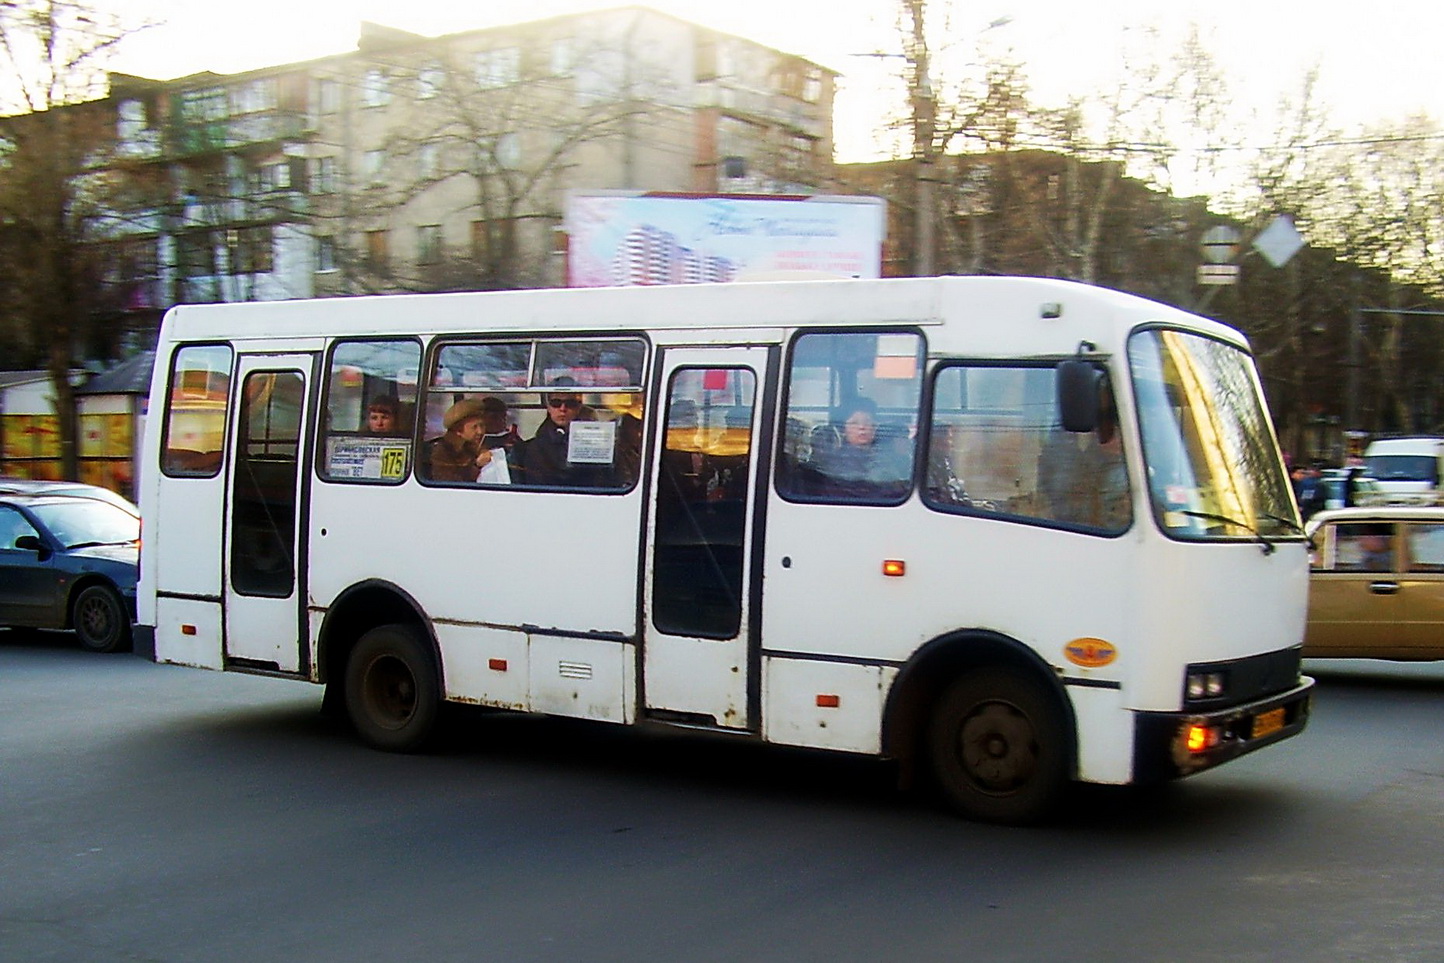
1078, 394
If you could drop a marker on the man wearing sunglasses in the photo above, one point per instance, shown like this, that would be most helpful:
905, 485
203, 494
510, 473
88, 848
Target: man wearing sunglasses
542, 459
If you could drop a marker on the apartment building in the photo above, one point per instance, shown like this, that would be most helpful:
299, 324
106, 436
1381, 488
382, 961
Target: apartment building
443, 163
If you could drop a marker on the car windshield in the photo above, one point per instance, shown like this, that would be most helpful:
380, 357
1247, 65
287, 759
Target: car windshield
87, 521
1422, 468
1214, 469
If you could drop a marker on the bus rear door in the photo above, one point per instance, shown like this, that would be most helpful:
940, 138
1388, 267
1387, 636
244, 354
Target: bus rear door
700, 661
264, 585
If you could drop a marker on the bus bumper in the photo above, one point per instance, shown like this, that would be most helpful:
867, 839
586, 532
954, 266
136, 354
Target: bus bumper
1168, 745
143, 641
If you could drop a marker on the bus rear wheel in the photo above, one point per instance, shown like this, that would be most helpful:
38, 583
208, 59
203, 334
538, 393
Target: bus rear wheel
393, 696
998, 745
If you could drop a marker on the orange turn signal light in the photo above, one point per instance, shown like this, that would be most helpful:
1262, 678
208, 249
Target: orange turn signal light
828, 701
894, 567
1201, 738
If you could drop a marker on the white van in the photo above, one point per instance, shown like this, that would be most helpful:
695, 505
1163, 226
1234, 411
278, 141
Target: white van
1406, 468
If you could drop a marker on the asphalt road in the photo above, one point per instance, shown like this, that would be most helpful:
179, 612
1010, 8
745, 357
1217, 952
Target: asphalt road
153, 813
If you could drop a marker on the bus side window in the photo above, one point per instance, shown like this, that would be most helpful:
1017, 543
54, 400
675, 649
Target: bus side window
195, 418
996, 445
852, 408
560, 413
370, 411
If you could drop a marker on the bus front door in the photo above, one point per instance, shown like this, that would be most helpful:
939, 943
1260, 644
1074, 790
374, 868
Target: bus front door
700, 605
264, 594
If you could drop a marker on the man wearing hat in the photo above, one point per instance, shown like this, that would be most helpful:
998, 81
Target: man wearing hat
457, 455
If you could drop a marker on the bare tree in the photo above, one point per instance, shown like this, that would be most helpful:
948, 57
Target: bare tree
1378, 197
496, 137
53, 139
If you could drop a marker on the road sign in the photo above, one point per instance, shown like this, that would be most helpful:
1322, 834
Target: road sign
1218, 274
1220, 244
1279, 241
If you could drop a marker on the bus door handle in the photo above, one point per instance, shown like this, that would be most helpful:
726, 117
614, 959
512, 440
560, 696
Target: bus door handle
1384, 588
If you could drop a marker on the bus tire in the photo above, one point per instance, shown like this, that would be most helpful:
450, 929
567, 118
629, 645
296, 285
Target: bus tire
100, 621
393, 697
998, 745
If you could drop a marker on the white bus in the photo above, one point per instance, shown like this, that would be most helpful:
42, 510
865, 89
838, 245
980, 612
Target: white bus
1016, 531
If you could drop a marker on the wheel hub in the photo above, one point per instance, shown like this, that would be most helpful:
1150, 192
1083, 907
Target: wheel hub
998, 748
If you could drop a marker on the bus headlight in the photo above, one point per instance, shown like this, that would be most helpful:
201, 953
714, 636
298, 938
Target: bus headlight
1206, 685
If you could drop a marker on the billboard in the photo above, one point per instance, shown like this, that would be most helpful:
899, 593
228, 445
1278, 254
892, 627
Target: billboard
625, 237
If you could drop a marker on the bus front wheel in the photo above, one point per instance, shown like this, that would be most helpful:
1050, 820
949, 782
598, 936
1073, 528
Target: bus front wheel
998, 744
392, 694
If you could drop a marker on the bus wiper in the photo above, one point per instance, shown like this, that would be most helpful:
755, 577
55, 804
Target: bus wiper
1268, 546
1295, 526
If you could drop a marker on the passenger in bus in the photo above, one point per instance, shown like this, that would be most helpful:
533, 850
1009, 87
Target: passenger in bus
866, 464
497, 429
945, 478
381, 415
457, 456
628, 462
542, 459
1084, 477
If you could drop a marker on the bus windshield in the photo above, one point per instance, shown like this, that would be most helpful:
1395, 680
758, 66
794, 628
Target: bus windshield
1212, 463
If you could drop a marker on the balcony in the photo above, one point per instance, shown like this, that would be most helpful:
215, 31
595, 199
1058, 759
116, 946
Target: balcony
188, 139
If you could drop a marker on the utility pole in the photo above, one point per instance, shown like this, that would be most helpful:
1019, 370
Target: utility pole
924, 111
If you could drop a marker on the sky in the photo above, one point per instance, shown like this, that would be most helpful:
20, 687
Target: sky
1379, 63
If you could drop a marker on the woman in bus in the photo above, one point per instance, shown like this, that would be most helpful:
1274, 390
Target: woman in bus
457, 456
865, 464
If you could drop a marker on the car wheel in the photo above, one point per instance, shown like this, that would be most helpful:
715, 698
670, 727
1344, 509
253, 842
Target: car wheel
393, 695
100, 620
999, 747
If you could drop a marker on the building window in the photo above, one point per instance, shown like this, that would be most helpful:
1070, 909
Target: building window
325, 253
563, 55
196, 253
428, 244
254, 97
130, 120
428, 161
271, 177
323, 175
197, 106
374, 165
252, 250
497, 68
377, 250
428, 82
375, 89
328, 96
812, 88
501, 152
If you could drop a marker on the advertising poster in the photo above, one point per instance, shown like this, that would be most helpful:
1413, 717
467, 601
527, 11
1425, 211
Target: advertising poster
624, 238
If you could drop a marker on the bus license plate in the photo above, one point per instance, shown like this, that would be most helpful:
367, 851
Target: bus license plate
1267, 723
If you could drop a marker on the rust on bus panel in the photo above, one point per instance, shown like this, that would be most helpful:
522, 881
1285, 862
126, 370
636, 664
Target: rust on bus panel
1090, 653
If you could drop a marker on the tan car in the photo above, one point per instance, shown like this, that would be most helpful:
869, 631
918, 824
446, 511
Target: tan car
1376, 585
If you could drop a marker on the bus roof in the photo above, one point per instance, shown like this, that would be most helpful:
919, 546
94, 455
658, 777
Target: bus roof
994, 311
